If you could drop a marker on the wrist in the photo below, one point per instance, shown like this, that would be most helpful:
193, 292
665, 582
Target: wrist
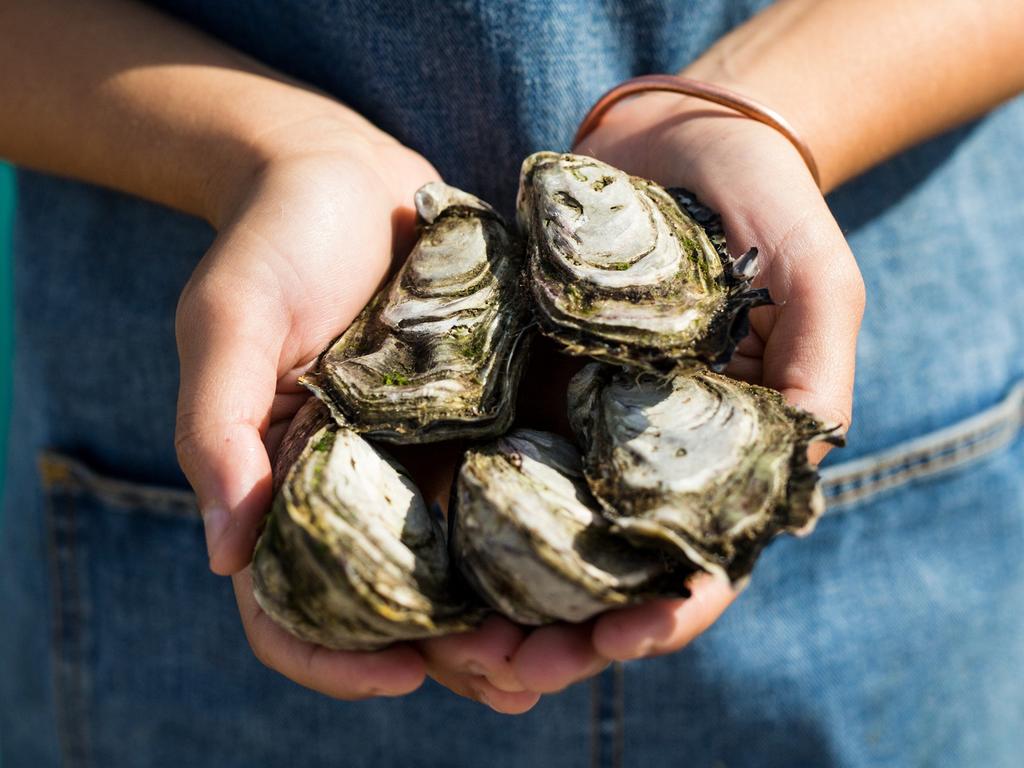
703, 91
810, 118
672, 137
266, 141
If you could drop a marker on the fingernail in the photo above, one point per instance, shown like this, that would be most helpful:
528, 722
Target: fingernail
643, 639
215, 521
482, 698
645, 648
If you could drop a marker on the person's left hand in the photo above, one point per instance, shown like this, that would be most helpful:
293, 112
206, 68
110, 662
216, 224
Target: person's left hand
804, 347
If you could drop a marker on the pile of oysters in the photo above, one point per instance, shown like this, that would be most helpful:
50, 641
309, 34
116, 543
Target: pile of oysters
674, 468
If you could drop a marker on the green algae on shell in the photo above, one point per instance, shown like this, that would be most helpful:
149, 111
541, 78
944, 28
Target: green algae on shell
351, 557
625, 271
437, 354
705, 466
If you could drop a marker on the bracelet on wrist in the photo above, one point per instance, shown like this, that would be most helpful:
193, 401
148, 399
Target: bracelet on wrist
700, 90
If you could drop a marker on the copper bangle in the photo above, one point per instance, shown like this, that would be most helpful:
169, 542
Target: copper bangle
700, 90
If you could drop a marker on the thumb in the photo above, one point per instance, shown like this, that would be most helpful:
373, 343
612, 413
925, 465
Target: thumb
229, 351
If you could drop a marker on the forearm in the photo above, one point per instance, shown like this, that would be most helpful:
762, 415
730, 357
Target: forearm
863, 79
114, 93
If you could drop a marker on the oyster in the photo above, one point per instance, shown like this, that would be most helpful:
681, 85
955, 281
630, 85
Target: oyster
683, 469
709, 467
351, 557
437, 354
530, 538
625, 271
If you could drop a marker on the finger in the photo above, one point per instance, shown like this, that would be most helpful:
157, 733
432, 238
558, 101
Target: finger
281, 414
810, 335
662, 626
749, 369
229, 343
287, 404
557, 656
811, 354
348, 675
485, 652
478, 688
272, 437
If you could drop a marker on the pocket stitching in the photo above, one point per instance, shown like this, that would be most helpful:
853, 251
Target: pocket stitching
69, 642
59, 472
956, 446
937, 452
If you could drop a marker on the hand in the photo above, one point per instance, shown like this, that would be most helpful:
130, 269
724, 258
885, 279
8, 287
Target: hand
804, 346
508, 667
302, 246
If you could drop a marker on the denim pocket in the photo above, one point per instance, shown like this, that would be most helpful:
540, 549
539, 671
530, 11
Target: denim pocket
102, 576
953, 447
151, 666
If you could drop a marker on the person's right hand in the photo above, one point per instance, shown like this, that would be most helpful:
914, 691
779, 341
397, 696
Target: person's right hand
302, 244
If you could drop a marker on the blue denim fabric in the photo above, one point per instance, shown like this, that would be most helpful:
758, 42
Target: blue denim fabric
894, 635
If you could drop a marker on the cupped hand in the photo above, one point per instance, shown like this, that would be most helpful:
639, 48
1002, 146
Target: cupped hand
298, 254
302, 245
306, 242
803, 346
312, 241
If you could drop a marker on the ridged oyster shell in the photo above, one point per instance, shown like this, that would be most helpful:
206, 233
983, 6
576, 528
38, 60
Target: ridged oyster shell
704, 465
625, 271
681, 472
530, 538
438, 353
351, 557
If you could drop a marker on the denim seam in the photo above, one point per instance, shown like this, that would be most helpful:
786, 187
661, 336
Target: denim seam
57, 628
74, 478
619, 736
844, 484
71, 678
607, 717
943, 450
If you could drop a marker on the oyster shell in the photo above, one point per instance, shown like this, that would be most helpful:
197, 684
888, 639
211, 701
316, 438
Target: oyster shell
709, 467
438, 353
625, 271
681, 472
530, 538
351, 558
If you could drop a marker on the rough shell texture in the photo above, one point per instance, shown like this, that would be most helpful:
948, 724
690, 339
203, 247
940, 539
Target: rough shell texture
351, 557
683, 469
438, 353
708, 466
625, 271
531, 539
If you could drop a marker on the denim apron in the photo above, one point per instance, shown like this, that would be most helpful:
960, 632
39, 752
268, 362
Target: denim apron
892, 636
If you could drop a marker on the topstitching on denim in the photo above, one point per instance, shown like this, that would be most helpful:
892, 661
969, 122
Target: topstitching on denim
607, 712
71, 639
60, 472
943, 450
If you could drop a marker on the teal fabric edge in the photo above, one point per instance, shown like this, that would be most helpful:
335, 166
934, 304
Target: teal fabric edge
6, 313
